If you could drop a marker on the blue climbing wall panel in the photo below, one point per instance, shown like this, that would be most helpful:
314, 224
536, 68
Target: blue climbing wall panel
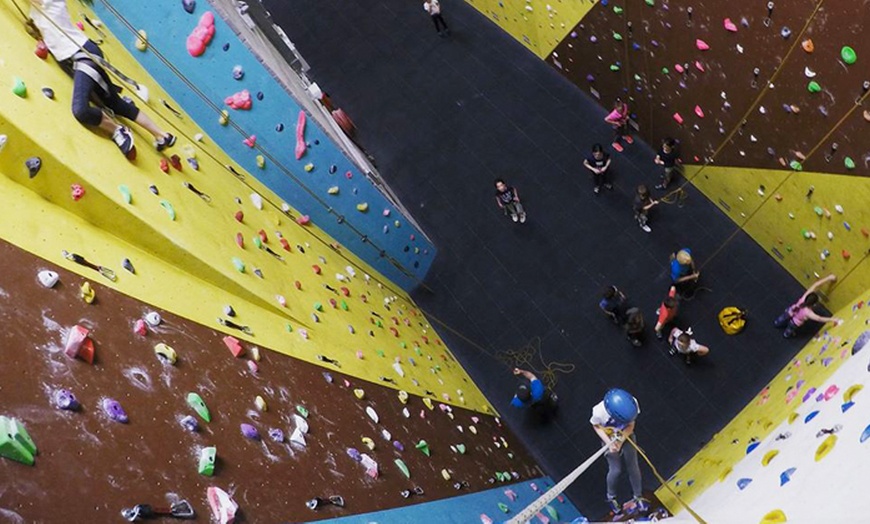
201, 84
471, 508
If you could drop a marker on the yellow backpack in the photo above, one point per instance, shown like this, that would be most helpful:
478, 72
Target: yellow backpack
732, 319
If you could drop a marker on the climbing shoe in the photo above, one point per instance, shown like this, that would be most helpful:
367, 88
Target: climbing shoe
166, 142
615, 507
641, 504
124, 140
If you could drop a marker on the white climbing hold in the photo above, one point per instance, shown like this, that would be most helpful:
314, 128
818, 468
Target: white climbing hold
370, 411
809, 73
285, 207
386, 434
298, 438
830, 235
350, 271
399, 370
153, 319
740, 49
198, 137
340, 277
3, 140
47, 278
838, 208
301, 423
257, 200
406, 413
753, 139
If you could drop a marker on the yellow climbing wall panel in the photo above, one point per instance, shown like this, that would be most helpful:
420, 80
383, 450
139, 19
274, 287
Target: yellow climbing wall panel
347, 313
793, 388
538, 24
812, 223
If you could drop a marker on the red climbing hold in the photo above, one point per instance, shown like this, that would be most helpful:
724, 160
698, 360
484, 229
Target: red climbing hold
164, 165
285, 244
316, 269
348, 175
240, 240
262, 234
345, 291
298, 285
79, 345
41, 50
333, 303
394, 331
865, 232
234, 346
239, 216
846, 255
175, 161
300, 135
139, 328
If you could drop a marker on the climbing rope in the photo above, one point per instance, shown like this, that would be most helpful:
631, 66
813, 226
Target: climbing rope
523, 357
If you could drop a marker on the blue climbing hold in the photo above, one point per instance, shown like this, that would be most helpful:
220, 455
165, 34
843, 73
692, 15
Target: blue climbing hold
811, 416
785, 476
860, 342
865, 435
845, 407
742, 483
635, 46
751, 447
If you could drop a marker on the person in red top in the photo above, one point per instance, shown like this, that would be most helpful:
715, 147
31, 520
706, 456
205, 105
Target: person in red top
667, 311
618, 118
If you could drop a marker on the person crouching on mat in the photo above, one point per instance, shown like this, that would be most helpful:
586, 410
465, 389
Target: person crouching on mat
534, 395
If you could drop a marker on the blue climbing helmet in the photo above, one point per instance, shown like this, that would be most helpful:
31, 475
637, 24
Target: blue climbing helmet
621, 405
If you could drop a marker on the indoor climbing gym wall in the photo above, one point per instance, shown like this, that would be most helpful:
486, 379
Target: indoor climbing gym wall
798, 452
231, 95
181, 339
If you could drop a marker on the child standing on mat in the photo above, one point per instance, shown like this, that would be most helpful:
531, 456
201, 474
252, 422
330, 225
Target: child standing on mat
618, 118
798, 313
613, 304
508, 199
73, 51
643, 202
634, 326
683, 344
668, 158
666, 312
683, 273
433, 7
598, 162
615, 417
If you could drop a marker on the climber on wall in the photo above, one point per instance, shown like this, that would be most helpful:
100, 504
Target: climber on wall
74, 51
798, 313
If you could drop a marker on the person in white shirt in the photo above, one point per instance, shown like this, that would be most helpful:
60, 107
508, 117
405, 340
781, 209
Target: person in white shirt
614, 418
433, 7
682, 342
76, 53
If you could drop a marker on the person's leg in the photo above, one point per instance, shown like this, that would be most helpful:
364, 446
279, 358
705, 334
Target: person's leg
782, 320
520, 211
511, 210
790, 329
443, 23
633, 468
597, 179
614, 470
604, 180
667, 176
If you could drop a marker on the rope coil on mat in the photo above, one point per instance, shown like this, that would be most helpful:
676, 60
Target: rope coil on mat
522, 358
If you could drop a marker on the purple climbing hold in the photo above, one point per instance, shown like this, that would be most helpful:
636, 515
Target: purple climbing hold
654, 43
809, 394
354, 454
742, 483
189, 423
590, 78
635, 46
785, 476
114, 410
194, 164
861, 342
64, 399
34, 164
398, 445
811, 416
573, 34
250, 432
593, 39
48, 93
189, 5
276, 434
327, 376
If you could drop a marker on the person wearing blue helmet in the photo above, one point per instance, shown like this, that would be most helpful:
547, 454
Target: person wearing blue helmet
614, 417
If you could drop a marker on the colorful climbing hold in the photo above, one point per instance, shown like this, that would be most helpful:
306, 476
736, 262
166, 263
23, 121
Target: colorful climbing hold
198, 405
814, 87
19, 88
848, 55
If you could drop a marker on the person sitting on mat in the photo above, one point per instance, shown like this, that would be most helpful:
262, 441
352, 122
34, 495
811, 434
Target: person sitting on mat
684, 276
508, 199
73, 51
798, 313
666, 312
682, 343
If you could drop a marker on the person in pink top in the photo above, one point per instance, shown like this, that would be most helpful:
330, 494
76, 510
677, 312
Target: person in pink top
798, 313
618, 118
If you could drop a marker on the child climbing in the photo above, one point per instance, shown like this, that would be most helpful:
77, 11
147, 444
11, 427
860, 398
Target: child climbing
508, 200
598, 162
666, 312
634, 326
534, 395
668, 158
798, 313
613, 420
682, 343
75, 53
433, 7
684, 276
613, 304
643, 202
618, 118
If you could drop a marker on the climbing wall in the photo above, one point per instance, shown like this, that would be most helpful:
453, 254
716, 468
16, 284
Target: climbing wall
540, 25
766, 105
274, 140
753, 457
293, 288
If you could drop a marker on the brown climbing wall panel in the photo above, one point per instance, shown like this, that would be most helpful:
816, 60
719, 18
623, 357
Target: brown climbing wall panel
89, 467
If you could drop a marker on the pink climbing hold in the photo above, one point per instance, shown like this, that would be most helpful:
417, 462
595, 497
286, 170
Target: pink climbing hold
831, 391
79, 345
80, 25
701, 45
139, 328
678, 118
348, 175
240, 100
201, 35
303, 220
729, 25
699, 111
77, 192
679, 69
699, 66
251, 141
300, 135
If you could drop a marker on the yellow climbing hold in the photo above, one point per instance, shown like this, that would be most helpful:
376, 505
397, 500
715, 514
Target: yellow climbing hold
403, 397
428, 403
725, 473
445, 474
363, 207
825, 447
224, 119
254, 353
792, 417
360, 394
849, 393
774, 517
166, 353
765, 460
261, 162
369, 443
332, 190
309, 167
260, 402
141, 40
87, 293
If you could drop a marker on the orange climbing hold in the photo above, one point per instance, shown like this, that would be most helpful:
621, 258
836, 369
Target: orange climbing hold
164, 165
808, 45
846, 255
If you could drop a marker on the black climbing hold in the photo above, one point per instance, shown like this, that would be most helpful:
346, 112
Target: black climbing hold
229, 311
260, 95
279, 127
416, 264
153, 189
189, 5
48, 92
34, 164
227, 46
317, 142
332, 169
340, 219
382, 254
406, 249
258, 273
126, 264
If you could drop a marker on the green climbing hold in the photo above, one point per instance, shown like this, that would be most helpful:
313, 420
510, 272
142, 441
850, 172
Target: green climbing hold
198, 405
614, 67
258, 242
169, 209
403, 468
848, 55
379, 323
510, 455
125, 194
552, 512
813, 87
343, 305
424, 447
788, 248
403, 345
240, 266
381, 353
849, 163
418, 351
794, 164
19, 88
650, 3
302, 410
665, 71
617, 36
460, 448
818, 210
289, 328
206, 461
618, 10
15, 443
318, 306
805, 233
502, 506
